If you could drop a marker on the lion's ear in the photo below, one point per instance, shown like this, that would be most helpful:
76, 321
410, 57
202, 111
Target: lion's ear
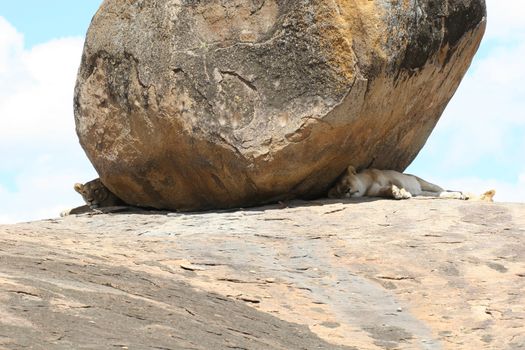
78, 187
351, 170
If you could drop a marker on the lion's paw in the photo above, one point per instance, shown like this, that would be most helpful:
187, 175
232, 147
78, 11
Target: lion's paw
400, 193
406, 194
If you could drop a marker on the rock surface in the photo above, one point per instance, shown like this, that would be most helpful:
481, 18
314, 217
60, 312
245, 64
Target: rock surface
213, 104
416, 274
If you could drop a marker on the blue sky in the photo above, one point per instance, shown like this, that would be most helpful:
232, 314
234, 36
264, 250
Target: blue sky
478, 144
41, 21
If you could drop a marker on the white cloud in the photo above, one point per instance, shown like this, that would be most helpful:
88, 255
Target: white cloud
505, 20
488, 107
11, 45
35, 102
37, 134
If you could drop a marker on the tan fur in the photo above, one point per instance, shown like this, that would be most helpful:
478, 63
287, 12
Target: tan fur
392, 184
96, 195
487, 196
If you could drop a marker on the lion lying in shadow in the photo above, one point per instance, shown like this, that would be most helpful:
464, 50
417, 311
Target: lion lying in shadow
395, 185
96, 195
366, 183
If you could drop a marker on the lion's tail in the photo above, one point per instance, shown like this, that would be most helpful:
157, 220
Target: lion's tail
429, 187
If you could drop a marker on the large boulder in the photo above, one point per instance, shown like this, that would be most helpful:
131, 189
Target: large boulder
193, 105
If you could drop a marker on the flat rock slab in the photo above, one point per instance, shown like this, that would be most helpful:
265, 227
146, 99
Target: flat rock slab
415, 274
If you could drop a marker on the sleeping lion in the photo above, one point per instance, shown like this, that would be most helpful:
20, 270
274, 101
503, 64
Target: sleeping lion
393, 184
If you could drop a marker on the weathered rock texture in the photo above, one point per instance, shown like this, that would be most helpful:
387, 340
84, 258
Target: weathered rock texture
416, 274
203, 104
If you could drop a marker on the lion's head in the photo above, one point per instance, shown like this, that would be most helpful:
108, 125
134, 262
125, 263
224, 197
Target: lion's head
347, 186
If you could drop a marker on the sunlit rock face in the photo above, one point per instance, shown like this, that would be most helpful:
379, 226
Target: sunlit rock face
192, 105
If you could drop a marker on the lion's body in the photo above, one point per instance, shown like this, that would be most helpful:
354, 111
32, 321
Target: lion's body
96, 195
392, 184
